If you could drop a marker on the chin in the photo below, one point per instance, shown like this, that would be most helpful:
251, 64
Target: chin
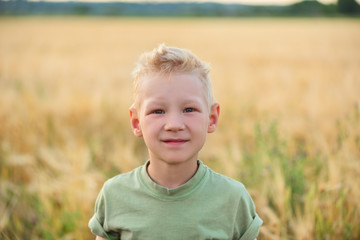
177, 160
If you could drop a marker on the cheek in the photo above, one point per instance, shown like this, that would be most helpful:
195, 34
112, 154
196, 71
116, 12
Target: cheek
150, 126
200, 125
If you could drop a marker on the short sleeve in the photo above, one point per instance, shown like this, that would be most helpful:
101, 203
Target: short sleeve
97, 223
253, 229
248, 221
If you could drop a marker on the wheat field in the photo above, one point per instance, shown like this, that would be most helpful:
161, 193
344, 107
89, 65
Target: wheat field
289, 91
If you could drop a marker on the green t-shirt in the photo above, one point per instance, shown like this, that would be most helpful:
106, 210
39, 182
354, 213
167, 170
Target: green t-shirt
208, 206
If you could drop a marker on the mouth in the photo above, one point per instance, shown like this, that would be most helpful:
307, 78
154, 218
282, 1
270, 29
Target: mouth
175, 142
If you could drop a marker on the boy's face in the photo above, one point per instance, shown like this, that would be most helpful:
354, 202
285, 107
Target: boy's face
173, 117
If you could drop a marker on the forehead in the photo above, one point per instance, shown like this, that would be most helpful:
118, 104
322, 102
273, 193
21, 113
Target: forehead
184, 86
171, 77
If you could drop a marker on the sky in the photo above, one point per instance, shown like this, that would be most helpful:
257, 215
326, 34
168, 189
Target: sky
257, 2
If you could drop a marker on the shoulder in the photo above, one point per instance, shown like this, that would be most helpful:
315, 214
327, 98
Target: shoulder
121, 180
223, 181
232, 190
227, 186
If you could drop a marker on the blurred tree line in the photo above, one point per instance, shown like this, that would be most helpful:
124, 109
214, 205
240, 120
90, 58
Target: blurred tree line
187, 9
349, 7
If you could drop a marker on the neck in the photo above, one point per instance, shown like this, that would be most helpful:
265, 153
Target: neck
171, 175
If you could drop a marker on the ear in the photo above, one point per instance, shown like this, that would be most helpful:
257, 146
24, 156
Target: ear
213, 117
135, 123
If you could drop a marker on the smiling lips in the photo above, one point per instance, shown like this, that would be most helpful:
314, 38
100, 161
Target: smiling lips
174, 142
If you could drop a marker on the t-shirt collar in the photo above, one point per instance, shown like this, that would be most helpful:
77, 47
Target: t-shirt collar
176, 193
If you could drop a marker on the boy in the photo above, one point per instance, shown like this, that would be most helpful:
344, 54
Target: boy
173, 195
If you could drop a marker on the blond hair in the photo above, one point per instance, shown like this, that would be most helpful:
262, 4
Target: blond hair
167, 60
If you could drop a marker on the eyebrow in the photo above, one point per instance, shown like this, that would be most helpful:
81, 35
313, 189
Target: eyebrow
187, 101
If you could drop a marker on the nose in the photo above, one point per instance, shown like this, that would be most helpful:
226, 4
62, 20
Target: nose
174, 122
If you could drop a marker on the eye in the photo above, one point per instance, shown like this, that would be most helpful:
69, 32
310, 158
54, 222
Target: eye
187, 110
158, 111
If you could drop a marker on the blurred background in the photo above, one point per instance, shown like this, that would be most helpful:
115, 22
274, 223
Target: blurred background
286, 74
